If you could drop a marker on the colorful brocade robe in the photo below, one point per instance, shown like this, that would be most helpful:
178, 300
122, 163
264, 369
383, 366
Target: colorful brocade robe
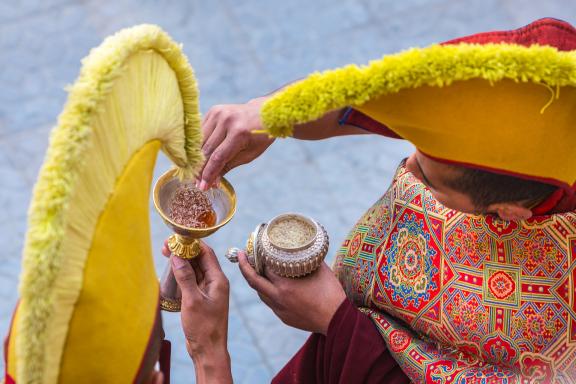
461, 298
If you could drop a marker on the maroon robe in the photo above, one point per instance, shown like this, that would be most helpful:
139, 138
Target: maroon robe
353, 351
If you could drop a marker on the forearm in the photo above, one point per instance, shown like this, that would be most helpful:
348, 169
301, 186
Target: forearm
323, 128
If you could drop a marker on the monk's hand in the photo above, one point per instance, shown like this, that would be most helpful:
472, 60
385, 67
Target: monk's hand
204, 314
307, 303
155, 377
228, 139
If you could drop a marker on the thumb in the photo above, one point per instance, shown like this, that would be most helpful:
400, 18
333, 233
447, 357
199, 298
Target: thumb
184, 274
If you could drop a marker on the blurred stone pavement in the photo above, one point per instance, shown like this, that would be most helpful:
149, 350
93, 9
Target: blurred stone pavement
239, 49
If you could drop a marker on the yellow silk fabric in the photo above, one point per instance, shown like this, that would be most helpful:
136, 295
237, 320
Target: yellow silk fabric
115, 313
461, 122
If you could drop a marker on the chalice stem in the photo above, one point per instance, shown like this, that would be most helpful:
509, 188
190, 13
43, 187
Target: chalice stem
186, 248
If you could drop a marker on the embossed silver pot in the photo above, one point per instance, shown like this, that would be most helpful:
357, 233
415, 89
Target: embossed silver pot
298, 261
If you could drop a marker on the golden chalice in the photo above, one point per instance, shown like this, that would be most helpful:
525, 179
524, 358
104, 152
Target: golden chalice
184, 242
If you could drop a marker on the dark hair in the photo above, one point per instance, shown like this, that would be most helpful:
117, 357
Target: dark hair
485, 188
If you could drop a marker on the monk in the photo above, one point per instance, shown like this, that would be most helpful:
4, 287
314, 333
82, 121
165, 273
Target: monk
462, 276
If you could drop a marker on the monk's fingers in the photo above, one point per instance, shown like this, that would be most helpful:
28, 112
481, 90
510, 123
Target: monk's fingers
221, 156
208, 264
185, 277
217, 135
197, 271
257, 282
165, 250
209, 123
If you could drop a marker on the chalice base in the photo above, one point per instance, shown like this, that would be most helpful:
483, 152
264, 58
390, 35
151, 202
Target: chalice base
169, 305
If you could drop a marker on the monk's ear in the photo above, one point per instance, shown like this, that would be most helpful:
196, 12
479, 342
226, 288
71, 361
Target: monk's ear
511, 211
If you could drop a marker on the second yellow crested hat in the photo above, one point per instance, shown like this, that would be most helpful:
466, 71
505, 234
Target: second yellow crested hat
503, 101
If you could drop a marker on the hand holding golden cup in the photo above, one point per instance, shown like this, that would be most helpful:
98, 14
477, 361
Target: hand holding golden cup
184, 243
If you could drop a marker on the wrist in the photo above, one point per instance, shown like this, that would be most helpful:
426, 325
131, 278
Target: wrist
208, 349
212, 365
258, 100
332, 308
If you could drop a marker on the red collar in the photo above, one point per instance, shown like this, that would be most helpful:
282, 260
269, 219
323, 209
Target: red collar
561, 200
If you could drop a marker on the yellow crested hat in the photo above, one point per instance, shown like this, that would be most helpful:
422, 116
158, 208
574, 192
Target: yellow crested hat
504, 101
88, 292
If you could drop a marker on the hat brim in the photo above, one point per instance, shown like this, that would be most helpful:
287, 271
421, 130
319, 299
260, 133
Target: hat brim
480, 104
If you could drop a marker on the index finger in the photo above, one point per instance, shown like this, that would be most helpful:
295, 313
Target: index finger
259, 283
208, 125
208, 263
218, 159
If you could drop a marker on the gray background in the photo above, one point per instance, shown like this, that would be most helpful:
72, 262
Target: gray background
239, 49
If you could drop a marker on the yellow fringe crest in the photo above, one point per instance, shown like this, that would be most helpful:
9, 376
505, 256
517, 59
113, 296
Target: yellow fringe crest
69, 143
437, 65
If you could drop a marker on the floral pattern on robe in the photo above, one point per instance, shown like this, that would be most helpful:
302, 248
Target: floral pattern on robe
461, 298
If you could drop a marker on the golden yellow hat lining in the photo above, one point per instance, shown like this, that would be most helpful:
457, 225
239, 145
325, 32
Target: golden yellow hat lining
89, 292
489, 102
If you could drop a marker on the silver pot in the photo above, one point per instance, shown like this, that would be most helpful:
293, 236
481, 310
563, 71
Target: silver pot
266, 249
